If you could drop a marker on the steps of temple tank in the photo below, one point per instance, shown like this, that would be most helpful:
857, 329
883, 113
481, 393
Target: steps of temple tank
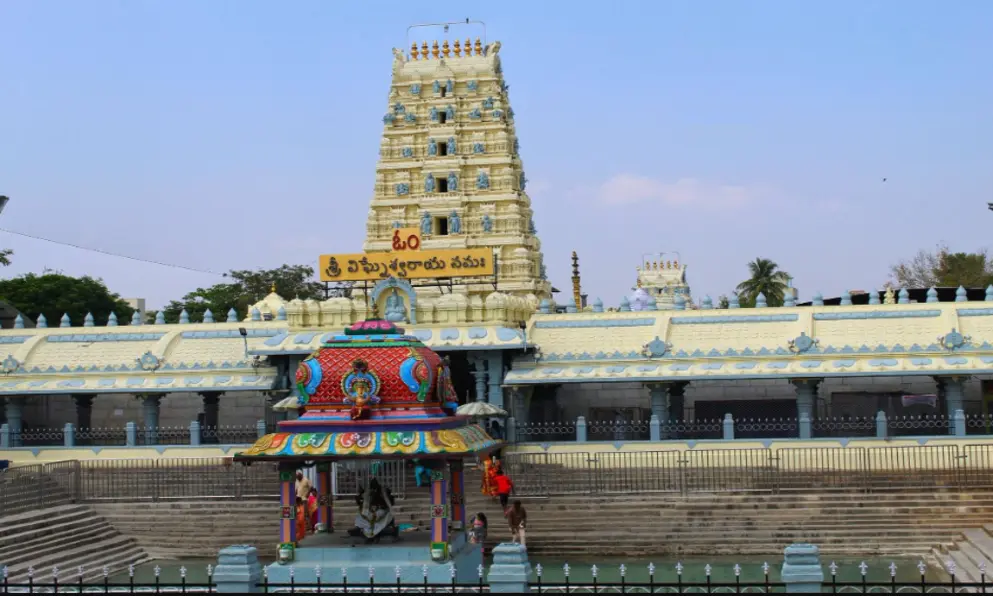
971, 553
67, 538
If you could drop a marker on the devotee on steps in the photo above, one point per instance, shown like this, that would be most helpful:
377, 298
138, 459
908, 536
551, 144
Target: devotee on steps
303, 486
518, 519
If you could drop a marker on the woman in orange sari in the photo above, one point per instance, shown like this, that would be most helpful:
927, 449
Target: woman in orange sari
491, 475
487, 487
301, 519
312, 508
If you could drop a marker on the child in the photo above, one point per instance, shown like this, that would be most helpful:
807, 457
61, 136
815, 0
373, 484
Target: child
477, 534
503, 489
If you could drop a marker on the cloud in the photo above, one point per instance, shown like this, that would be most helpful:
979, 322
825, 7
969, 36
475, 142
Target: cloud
626, 189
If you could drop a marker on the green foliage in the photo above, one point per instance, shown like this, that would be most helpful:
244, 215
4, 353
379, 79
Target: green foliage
943, 268
723, 302
245, 289
765, 278
55, 294
5, 255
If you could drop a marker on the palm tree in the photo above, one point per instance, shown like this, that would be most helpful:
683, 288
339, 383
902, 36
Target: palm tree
766, 279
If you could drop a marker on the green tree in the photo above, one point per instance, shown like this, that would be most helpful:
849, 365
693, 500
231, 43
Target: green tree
55, 294
723, 302
765, 278
943, 268
5, 255
245, 289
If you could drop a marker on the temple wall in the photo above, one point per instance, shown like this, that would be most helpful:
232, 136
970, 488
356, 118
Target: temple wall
576, 399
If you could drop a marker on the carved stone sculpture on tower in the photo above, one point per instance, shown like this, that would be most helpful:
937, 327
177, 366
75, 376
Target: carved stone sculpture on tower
425, 223
395, 310
454, 223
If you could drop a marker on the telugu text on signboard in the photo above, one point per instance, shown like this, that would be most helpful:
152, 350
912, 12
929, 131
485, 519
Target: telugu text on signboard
407, 261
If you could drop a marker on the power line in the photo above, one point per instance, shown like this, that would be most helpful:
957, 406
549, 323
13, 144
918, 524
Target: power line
113, 254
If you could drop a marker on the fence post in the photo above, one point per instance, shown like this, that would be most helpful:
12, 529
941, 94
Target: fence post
238, 570
511, 430
131, 434
195, 434
958, 423
728, 427
260, 428
804, 423
802, 572
68, 435
654, 428
510, 570
581, 429
881, 424
5, 436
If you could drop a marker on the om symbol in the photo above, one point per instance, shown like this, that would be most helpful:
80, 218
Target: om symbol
412, 242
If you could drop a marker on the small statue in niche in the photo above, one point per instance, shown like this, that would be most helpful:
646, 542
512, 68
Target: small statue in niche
434, 114
449, 86
523, 181
487, 223
478, 148
453, 182
454, 223
436, 87
408, 152
475, 114
415, 89
402, 189
396, 312
396, 225
473, 85
426, 222
398, 108
497, 114
432, 147
451, 146
488, 103
450, 113
517, 146
388, 119
482, 181
510, 113
410, 117
429, 183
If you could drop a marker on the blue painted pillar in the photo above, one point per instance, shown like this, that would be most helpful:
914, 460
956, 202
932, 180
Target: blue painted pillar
150, 406
14, 410
494, 365
802, 572
727, 427
510, 571
238, 570
882, 425
654, 429
806, 392
954, 394
68, 435
659, 401
581, 429
479, 374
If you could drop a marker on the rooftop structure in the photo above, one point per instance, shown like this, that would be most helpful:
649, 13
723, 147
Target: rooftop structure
660, 281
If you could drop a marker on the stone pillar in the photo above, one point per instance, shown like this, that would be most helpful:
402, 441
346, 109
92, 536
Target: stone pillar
14, 410
325, 500
954, 391
238, 570
458, 494
510, 571
150, 406
677, 401
519, 405
802, 572
84, 411
806, 392
439, 515
211, 414
494, 374
287, 505
660, 406
480, 375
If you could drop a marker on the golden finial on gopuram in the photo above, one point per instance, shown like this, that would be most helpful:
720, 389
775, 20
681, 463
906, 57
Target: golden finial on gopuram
655, 265
273, 288
445, 49
668, 264
413, 51
424, 50
434, 49
468, 47
638, 283
458, 48
675, 264
479, 47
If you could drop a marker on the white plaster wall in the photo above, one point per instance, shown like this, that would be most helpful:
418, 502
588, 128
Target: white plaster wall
113, 410
576, 399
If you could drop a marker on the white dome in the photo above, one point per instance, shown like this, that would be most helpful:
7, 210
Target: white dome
639, 299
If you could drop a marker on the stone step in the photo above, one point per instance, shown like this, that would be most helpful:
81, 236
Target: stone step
97, 553
26, 524
26, 552
61, 524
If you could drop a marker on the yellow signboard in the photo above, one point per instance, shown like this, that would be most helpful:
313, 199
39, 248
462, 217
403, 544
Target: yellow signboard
407, 261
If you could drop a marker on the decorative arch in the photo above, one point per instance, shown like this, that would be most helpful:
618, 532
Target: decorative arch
399, 284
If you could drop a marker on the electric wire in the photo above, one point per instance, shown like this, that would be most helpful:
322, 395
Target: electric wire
113, 254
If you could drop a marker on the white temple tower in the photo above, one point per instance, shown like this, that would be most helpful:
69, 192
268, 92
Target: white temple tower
449, 166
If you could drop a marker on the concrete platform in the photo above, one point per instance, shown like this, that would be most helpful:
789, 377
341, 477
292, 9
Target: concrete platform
338, 552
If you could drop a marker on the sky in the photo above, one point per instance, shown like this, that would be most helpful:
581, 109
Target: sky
243, 134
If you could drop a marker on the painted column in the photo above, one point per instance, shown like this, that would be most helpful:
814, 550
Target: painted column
211, 413
458, 494
150, 406
660, 406
480, 376
677, 401
439, 514
806, 391
84, 411
14, 411
287, 506
325, 497
494, 366
954, 389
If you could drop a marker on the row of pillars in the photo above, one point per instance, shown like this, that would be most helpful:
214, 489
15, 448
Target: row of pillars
447, 501
487, 371
151, 406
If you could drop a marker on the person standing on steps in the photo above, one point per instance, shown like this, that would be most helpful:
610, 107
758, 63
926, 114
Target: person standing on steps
303, 486
504, 487
517, 517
